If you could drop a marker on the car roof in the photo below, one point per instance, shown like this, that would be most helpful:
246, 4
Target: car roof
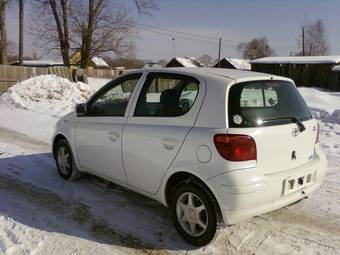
234, 74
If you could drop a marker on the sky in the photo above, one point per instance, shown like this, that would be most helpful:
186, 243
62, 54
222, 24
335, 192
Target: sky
234, 21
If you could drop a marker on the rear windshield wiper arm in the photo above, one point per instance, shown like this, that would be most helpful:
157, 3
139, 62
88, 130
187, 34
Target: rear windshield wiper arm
292, 118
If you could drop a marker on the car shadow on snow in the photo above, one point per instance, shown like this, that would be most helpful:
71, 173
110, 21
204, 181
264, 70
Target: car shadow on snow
100, 211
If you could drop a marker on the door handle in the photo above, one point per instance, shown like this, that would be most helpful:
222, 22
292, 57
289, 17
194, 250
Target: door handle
113, 136
169, 143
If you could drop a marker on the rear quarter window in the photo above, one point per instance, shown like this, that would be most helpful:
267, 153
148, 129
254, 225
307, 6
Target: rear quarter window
250, 103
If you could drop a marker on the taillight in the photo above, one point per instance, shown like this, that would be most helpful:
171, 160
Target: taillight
317, 134
235, 147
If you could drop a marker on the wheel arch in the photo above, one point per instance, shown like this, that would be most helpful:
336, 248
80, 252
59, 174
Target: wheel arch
182, 177
56, 139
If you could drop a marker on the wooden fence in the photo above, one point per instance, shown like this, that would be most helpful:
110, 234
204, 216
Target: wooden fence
9, 75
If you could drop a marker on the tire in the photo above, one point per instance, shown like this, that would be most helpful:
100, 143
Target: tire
65, 161
206, 221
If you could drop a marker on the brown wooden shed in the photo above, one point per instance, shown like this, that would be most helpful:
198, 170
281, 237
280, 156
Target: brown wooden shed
307, 71
233, 63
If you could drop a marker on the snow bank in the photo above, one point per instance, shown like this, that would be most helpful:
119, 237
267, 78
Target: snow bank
325, 105
47, 94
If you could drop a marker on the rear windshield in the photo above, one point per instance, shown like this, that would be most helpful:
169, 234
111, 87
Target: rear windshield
252, 103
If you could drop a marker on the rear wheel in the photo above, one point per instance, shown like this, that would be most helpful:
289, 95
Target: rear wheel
194, 215
65, 161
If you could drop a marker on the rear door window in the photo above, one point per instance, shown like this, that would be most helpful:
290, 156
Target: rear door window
166, 95
251, 103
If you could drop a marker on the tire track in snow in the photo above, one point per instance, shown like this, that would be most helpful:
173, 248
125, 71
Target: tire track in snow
77, 212
295, 231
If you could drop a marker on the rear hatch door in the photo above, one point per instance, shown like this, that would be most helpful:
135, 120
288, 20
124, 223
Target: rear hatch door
274, 113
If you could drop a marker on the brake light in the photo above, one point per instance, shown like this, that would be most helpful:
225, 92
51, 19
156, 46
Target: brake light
317, 134
235, 147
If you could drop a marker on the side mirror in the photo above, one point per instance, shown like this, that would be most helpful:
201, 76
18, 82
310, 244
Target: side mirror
81, 109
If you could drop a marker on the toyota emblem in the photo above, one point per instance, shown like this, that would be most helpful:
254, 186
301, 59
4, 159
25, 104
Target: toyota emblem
295, 132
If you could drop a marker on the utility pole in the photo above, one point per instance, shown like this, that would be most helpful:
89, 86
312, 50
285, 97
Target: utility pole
21, 32
173, 47
303, 41
219, 53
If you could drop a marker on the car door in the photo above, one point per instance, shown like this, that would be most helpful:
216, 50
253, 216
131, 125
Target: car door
99, 132
164, 113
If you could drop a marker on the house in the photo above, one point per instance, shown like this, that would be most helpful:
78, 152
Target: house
233, 63
95, 62
334, 80
304, 70
40, 63
151, 64
184, 62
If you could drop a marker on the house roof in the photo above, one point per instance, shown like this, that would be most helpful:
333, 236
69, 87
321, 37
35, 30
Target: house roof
99, 62
334, 59
187, 61
96, 61
40, 62
242, 64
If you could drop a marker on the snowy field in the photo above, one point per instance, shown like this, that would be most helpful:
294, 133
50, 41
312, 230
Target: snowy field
42, 214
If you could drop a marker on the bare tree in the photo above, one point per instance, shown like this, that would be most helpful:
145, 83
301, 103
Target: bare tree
21, 32
240, 48
315, 39
206, 60
101, 30
146, 6
51, 28
163, 62
256, 48
12, 51
3, 32
98, 27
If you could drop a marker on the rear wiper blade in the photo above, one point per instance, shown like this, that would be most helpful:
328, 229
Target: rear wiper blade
292, 118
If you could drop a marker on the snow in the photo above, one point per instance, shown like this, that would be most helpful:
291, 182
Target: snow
322, 100
47, 94
241, 64
189, 62
99, 62
42, 214
336, 68
42, 62
335, 59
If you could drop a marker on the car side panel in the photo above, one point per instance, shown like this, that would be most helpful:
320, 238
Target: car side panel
150, 144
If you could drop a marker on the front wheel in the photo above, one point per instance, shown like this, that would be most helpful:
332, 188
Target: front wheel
194, 214
65, 161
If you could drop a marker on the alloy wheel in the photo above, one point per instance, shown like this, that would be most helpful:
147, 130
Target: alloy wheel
192, 214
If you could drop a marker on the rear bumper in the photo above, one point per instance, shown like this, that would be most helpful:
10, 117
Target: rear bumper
246, 193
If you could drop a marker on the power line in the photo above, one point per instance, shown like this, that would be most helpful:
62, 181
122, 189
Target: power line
185, 33
181, 37
228, 44
186, 38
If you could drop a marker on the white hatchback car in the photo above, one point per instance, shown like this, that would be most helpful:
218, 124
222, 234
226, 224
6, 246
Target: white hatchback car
215, 145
